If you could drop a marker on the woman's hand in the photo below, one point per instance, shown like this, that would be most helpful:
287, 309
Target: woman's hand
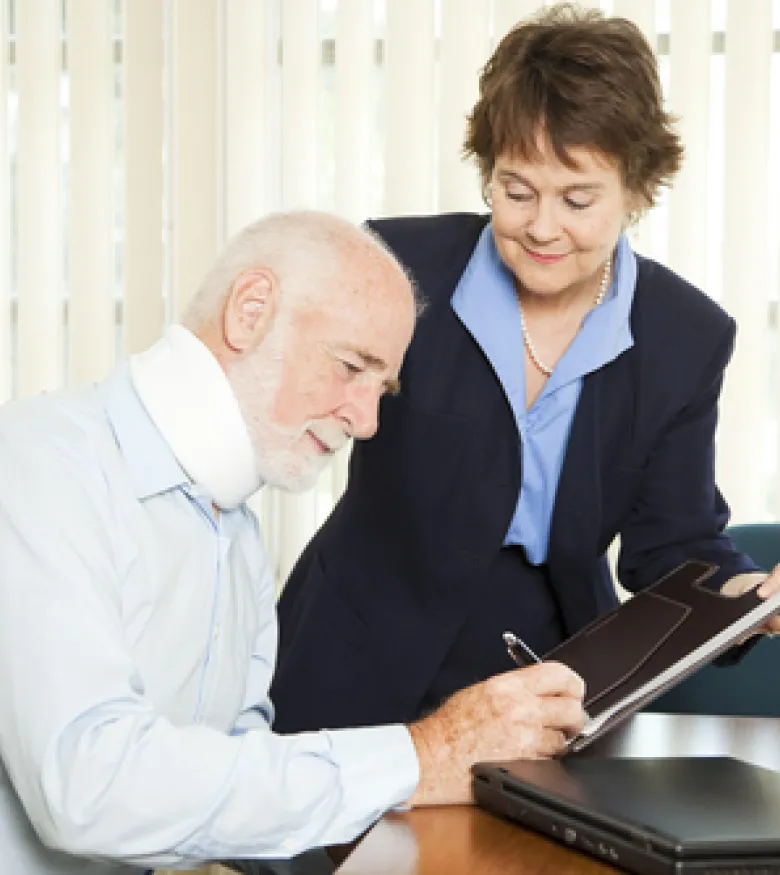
765, 586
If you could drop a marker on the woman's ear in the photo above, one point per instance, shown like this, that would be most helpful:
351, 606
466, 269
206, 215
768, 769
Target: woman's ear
250, 308
636, 205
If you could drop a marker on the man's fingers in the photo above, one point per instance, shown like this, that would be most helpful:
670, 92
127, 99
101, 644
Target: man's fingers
551, 742
552, 679
564, 713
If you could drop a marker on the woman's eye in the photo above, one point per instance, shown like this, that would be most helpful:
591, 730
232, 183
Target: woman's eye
521, 196
576, 205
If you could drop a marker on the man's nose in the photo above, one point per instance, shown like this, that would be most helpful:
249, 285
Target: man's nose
363, 411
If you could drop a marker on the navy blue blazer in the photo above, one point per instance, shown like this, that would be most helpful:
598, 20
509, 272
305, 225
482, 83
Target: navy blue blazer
379, 595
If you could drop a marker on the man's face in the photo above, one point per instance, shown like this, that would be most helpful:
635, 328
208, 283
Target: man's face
317, 377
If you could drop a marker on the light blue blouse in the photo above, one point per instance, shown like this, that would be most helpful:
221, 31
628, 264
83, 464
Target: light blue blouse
486, 303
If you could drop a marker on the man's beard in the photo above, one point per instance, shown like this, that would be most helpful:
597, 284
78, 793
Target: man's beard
286, 457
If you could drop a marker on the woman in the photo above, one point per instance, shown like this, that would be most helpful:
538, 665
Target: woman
560, 391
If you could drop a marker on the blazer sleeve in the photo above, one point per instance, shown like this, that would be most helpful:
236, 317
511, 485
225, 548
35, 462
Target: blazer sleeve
680, 514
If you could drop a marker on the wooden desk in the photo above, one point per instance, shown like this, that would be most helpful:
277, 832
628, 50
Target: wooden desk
461, 840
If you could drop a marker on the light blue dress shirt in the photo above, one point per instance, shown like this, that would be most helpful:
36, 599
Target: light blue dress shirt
486, 303
137, 642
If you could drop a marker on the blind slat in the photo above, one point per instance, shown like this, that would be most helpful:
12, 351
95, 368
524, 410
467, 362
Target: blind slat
300, 102
746, 252
355, 145
690, 46
193, 156
144, 312
301, 52
409, 140
642, 13
297, 523
5, 247
90, 220
464, 50
355, 108
247, 149
40, 326
245, 112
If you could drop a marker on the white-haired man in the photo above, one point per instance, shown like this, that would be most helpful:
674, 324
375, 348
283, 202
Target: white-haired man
137, 625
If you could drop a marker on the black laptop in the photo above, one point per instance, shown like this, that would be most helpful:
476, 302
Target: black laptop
650, 816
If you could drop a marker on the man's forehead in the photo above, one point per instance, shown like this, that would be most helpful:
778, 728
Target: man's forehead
372, 322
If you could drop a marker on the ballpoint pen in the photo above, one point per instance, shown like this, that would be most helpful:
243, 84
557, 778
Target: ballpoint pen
520, 652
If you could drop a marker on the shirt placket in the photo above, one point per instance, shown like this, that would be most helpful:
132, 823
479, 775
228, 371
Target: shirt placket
210, 686
210, 666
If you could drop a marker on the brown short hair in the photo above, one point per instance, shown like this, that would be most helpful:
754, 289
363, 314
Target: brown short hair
585, 81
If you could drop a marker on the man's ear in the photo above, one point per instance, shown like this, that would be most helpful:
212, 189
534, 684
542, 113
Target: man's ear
250, 308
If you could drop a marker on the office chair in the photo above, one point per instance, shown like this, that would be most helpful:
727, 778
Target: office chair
751, 688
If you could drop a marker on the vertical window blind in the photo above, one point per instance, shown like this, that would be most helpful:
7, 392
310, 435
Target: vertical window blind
140, 134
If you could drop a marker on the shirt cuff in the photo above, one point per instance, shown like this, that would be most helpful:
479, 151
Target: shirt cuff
377, 763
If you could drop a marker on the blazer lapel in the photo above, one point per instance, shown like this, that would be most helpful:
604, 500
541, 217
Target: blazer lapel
577, 513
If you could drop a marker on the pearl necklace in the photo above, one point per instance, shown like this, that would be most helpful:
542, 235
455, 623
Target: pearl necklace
529, 344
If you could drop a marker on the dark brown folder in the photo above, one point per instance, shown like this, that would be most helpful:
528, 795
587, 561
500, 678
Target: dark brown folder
652, 641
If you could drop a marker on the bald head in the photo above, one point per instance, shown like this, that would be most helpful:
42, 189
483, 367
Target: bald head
308, 253
310, 318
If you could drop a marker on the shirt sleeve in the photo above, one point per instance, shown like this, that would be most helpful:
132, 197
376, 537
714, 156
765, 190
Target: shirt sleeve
99, 772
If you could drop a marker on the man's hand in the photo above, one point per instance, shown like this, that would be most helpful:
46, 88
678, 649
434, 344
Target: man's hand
768, 585
528, 713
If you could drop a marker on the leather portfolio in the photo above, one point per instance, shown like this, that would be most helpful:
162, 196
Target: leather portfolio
647, 644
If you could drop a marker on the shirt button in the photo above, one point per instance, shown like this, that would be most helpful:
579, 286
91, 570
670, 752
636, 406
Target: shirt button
216, 633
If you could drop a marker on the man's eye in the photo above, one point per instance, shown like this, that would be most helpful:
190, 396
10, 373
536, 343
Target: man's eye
350, 368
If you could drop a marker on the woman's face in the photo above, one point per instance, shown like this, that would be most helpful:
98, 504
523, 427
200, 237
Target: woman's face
555, 226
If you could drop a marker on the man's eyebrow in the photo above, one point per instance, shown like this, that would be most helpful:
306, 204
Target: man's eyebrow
369, 359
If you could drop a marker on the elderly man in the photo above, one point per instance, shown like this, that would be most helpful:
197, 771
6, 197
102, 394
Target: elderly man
137, 624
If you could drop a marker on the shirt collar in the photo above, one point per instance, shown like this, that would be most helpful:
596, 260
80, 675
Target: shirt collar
486, 303
606, 330
152, 464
